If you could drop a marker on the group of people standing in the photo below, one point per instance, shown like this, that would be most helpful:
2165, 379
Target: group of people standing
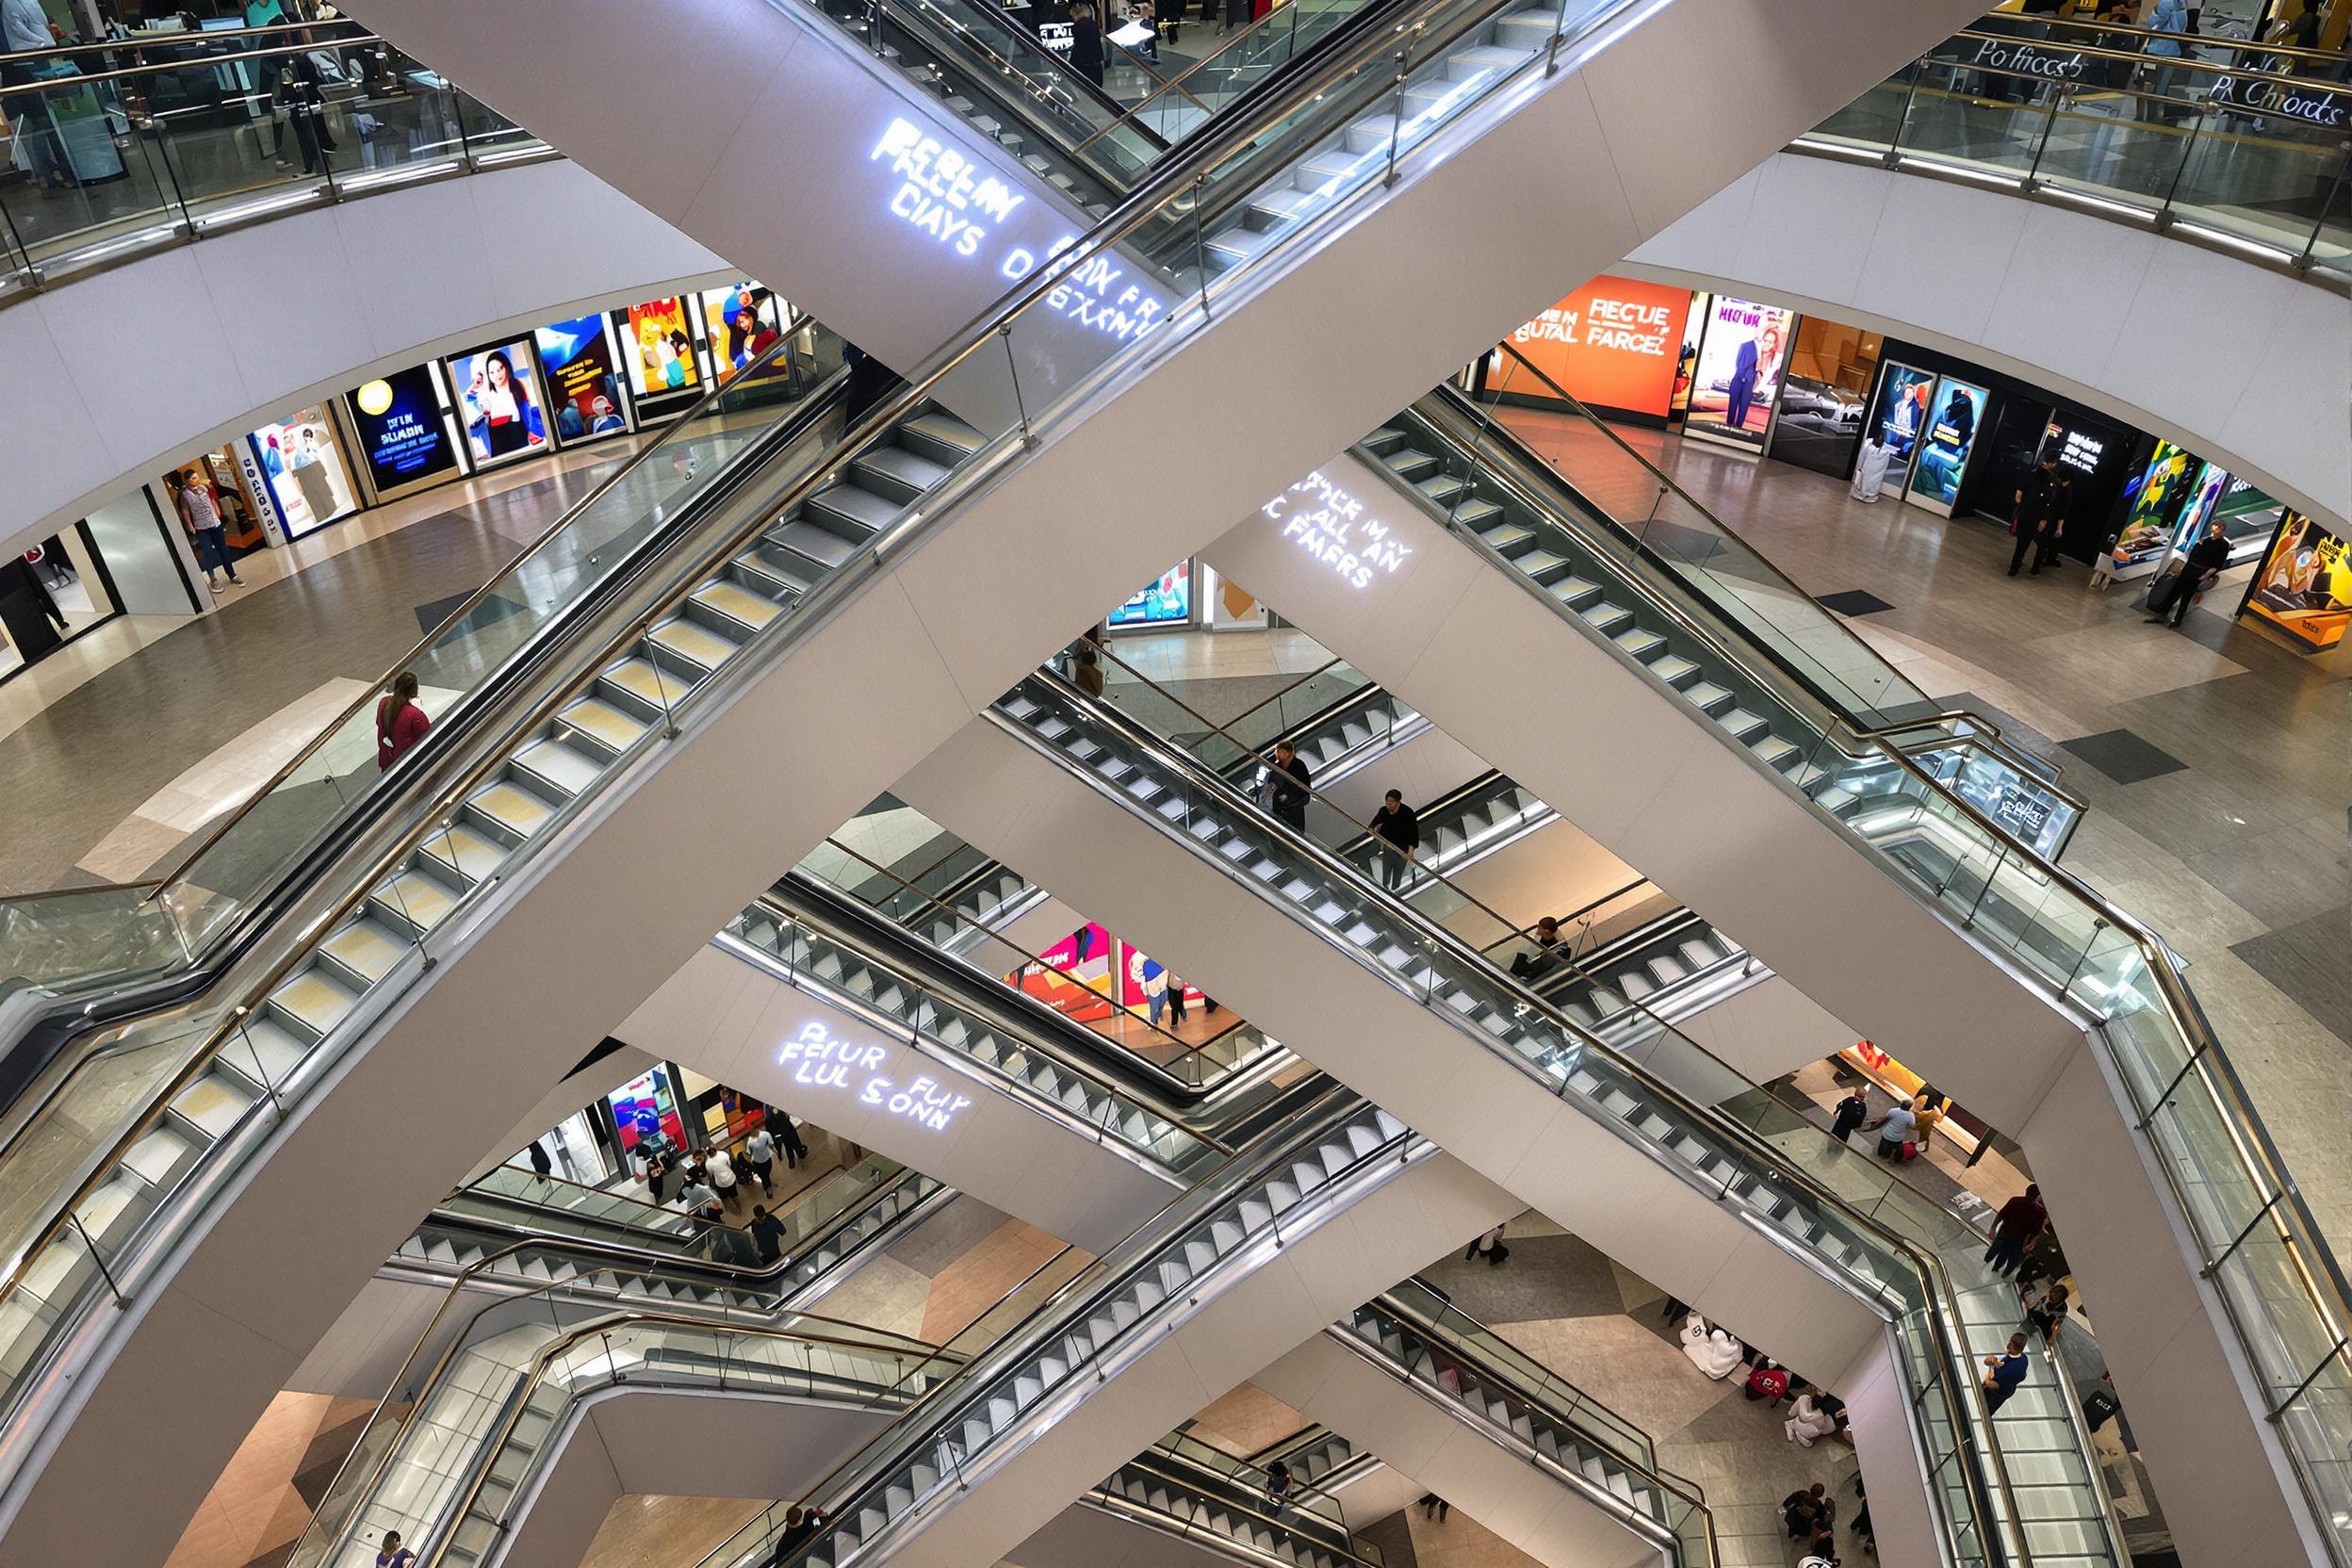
709, 1185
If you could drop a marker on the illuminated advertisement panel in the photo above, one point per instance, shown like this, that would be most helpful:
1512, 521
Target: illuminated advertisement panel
1740, 361
1613, 345
1945, 446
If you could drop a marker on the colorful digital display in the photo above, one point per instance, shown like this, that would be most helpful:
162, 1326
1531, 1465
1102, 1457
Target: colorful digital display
740, 322
1075, 976
403, 436
1741, 360
1165, 602
1611, 345
645, 1105
575, 357
1944, 447
307, 478
660, 344
498, 402
2300, 586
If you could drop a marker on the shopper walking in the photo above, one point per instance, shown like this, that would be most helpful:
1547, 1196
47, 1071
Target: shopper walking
1398, 829
303, 93
1085, 41
2197, 571
1852, 1112
759, 1158
697, 1199
794, 1151
2004, 1372
2037, 514
2166, 16
1286, 788
1489, 1247
1435, 1507
541, 1165
2016, 1223
400, 723
200, 516
719, 1170
40, 591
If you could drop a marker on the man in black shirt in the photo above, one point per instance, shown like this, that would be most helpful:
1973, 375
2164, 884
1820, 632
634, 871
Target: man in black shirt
1399, 831
767, 1235
2206, 557
799, 1525
1287, 787
2039, 515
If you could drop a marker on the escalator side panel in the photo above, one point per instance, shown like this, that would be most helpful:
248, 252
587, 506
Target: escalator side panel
732, 1021
1524, 1504
1767, 1029
1431, 1205
1668, 794
1082, 1536
992, 790
629, 1444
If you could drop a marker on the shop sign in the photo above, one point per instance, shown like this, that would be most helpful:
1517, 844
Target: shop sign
257, 491
2026, 60
2269, 95
2082, 451
1328, 522
819, 1061
2023, 812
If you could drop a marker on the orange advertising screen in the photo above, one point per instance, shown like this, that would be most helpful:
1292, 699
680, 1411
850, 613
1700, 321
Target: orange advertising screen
1612, 344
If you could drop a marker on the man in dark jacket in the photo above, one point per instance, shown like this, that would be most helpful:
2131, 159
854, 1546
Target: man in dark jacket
2040, 514
1286, 788
1085, 41
2206, 557
1399, 831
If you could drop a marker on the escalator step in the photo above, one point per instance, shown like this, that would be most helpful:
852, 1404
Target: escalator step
1674, 669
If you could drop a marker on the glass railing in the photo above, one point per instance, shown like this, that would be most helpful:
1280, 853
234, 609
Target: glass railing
961, 938
1026, 365
1922, 815
1632, 518
148, 142
1636, 1074
1171, 106
1248, 1482
2241, 143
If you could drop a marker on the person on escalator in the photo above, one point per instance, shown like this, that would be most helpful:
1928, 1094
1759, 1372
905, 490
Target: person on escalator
394, 1554
799, 1525
1276, 1485
767, 1235
400, 723
1528, 966
1287, 787
1400, 832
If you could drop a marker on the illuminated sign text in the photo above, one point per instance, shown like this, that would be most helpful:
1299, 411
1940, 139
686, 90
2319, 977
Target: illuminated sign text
1328, 523
943, 192
819, 1061
1624, 325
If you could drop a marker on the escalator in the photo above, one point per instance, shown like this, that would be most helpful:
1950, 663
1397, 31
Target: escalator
1791, 1241
1169, 1317
610, 867
1914, 896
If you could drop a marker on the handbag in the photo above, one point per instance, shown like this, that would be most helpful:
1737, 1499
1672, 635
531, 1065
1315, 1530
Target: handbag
1910, 1150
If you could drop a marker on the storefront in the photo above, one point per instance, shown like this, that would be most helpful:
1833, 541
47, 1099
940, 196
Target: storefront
1822, 398
119, 559
308, 483
1612, 346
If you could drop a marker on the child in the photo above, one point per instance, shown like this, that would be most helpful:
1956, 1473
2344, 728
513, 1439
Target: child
2104, 566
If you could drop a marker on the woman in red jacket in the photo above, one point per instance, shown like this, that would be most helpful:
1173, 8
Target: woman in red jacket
400, 723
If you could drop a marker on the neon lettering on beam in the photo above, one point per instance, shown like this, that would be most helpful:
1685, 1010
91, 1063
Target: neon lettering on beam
1328, 522
944, 192
819, 1061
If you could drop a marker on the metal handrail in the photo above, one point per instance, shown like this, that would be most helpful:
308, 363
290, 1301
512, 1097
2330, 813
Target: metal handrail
1184, 1051
1146, 1461
457, 1287
2315, 1260
473, 1189
1765, 1154
1176, 81
1333, 1104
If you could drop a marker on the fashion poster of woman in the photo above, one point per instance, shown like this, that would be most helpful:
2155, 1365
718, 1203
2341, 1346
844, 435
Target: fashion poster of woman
1952, 425
740, 322
305, 470
1738, 379
661, 349
498, 403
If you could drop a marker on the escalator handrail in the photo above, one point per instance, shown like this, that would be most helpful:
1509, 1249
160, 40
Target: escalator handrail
1328, 1105
1067, 76
1370, 690
2321, 1273
483, 1266
1170, 1463
1763, 1155
1989, 729
1027, 957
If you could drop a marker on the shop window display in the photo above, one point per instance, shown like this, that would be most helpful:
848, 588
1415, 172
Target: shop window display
300, 458
1820, 420
2301, 586
498, 403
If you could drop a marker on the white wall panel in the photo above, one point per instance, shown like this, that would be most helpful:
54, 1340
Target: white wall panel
2238, 362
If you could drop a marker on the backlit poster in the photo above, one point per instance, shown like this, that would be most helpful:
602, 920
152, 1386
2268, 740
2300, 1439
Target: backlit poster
1822, 393
741, 321
1740, 359
1687, 357
576, 359
658, 348
644, 1106
1165, 602
1075, 975
404, 434
1898, 414
2161, 496
2301, 585
1944, 445
304, 464
498, 403
1611, 345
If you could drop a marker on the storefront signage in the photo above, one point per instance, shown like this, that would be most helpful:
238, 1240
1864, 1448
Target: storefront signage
2082, 451
2268, 95
2023, 812
1612, 344
819, 1061
942, 192
1328, 522
2026, 60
